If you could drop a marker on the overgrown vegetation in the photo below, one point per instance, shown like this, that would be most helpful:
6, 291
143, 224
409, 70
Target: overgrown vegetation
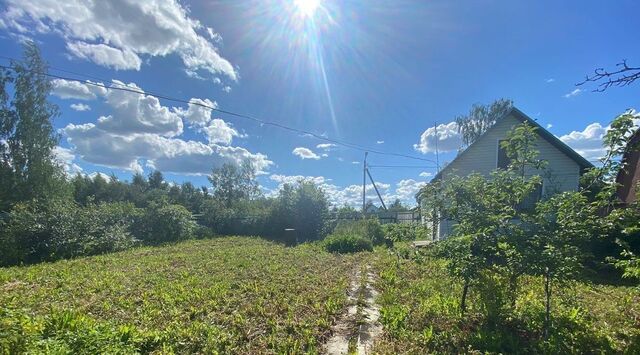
420, 312
226, 295
347, 243
502, 239
354, 236
404, 232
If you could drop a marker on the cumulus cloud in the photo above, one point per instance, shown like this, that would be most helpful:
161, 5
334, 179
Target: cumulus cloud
219, 131
426, 174
573, 93
351, 195
101, 54
406, 190
379, 142
139, 131
65, 158
80, 107
294, 179
326, 146
69, 89
198, 112
117, 33
550, 80
446, 135
198, 115
305, 153
136, 113
174, 155
587, 142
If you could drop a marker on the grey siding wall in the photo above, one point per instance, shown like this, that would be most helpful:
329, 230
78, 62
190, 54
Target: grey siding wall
562, 173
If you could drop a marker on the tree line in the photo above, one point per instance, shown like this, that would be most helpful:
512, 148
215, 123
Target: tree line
47, 215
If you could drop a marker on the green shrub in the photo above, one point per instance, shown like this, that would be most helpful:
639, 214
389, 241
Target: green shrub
167, 223
49, 230
405, 232
347, 243
366, 228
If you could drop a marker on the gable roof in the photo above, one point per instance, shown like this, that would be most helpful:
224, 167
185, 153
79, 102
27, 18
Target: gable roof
548, 136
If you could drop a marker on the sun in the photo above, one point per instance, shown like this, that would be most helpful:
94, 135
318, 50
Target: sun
307, 8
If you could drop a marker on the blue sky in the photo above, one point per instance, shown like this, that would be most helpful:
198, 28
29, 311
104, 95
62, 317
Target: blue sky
374, 73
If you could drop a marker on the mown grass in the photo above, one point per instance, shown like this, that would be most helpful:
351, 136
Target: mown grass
420, 314
227, 295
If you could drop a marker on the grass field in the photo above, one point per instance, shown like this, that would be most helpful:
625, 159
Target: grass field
246, 295
420, 312
227, 295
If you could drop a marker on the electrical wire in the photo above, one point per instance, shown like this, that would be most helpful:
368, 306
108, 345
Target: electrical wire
122, 87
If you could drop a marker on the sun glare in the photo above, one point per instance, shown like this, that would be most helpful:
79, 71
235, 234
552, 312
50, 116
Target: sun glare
307, 8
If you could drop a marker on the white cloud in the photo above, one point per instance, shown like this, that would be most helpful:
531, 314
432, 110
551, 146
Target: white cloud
379, 142
80, 107
573, 93
65, 158
426, 174
549, 126
351, 195
305, 153
550, 80
587, 142
293, 179
355, 162
219, 131
133, 112
326, 146
197, 113
102, 175
406, 190
448, 139
227, 89
213, 35
116, 33
216, 130
101, 54
69, 89
174, 155
141, 131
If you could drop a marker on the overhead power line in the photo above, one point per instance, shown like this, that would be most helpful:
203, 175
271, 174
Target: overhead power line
212, 108
402, 166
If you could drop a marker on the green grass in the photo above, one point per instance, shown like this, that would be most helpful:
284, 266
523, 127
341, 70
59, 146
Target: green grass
227, 295
420, 312
246, 295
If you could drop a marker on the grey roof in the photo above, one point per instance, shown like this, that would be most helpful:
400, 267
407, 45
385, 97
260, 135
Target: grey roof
555, 141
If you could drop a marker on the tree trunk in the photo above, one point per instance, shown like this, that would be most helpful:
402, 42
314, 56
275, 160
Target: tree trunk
547, 294
463, 301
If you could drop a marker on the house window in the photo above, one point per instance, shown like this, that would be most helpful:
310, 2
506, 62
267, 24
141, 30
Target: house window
503, 159
529, 202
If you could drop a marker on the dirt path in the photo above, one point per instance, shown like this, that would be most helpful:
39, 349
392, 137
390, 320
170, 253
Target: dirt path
363, 310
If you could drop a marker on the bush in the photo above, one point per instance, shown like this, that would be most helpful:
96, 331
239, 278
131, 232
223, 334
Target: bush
405, 232
347, 243
167, 223
365, 228
49, 230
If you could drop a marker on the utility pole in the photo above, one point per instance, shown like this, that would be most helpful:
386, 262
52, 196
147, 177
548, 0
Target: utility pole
376, 188
435, 127
364, 184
